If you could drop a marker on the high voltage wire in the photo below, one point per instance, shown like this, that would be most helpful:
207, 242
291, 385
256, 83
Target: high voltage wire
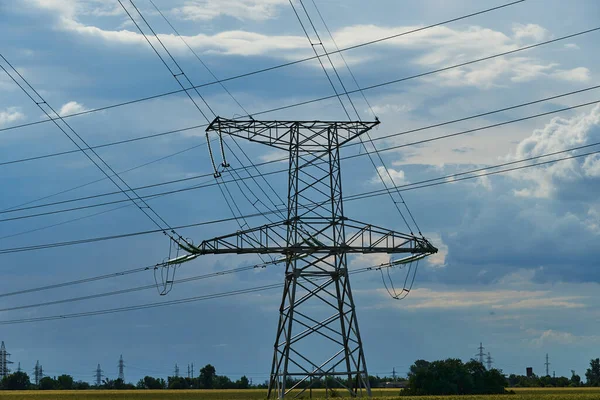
143, 206
359, 196
162, 304
261, 112
20, 208
274, 67
195, 187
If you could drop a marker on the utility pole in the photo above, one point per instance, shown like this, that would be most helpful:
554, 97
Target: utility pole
121, 369
99, 375
4, 361
489, 361
547, 364
176, 371
313, 240
481, 352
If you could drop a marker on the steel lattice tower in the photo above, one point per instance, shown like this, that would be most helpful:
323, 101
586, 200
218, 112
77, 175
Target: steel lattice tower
121, 369
99, 375
317, 334
4, 361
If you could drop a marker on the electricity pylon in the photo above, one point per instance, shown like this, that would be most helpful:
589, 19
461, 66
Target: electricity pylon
317, 334
4, 361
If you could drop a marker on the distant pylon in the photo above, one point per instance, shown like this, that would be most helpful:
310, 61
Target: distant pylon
37, 372
188, 375
192, 370
481, 352
19, 367
121, 369
176, 371
4, 355
547, 364
489, 361
99, 375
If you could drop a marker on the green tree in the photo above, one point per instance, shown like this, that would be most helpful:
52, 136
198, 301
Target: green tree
243, 383
151, 383
48, 383
207, 376
592, 375
65, 382
16, 381
575, 379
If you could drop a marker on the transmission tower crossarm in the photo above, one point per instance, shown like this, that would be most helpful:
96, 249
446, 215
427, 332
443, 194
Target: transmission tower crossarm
271, 238
279, 134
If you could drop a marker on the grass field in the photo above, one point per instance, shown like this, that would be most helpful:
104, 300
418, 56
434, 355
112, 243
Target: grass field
378, 394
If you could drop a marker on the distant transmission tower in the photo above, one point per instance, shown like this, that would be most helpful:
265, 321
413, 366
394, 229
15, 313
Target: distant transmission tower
188, 375
38, 372
176, 371
121, 369
547, 364
4, 361
19, 367
318, 329
481, 352
192, 371
99, 375
489, 361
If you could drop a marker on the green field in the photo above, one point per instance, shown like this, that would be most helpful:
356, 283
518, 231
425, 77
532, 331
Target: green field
521, 394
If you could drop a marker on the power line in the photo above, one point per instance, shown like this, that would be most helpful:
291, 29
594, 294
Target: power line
274, 67
143, 206
21, 208
162, 304
460, 133
359, 196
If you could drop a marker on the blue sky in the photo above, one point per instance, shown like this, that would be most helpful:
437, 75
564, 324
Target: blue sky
517, 268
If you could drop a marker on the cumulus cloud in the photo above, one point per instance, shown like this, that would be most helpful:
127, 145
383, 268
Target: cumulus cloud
530, 32
559, 134
9, 115
436, 47
391, 177
553, 337
72, 107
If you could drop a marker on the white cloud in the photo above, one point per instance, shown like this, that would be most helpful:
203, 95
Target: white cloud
553, 337
559, 134
72, 107
202, 10
579, 74
530, 32
9, 115
391, 178
438, 47
438, 259
382, 109
572, 46
494, 299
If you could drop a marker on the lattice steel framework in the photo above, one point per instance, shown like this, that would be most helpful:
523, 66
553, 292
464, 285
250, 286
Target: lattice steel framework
317, 335
4, 361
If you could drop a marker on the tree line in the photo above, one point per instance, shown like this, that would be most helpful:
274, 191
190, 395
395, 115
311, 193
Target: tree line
444, 377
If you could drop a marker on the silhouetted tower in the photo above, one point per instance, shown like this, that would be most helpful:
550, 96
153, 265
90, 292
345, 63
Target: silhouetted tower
481, 352
176, 371
489, 361
99, 375
4, 361
19, 367
394, 373
37, 372
192, 370
121, 369
547, 364
188, 375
